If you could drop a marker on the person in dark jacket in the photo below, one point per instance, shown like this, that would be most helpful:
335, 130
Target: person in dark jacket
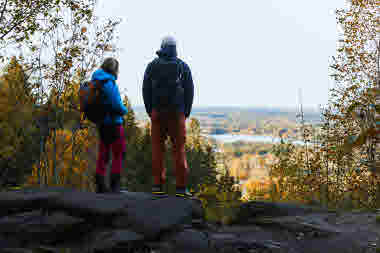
169, 123
111, 130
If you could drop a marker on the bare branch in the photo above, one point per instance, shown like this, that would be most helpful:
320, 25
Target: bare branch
3, 11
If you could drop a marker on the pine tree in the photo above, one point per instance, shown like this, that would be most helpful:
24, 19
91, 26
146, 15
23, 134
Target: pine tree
18, 133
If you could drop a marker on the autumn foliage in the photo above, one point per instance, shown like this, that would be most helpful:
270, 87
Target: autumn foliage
74, 166
340, 165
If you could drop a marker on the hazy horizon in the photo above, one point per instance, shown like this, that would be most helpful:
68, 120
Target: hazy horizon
243, 108
241, 53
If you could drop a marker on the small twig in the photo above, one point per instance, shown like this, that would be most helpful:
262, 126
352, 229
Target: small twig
3, 11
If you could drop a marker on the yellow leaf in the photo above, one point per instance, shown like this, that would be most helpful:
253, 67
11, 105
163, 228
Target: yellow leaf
349, 50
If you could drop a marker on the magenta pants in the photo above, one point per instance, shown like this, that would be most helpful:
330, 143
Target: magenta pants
118, 152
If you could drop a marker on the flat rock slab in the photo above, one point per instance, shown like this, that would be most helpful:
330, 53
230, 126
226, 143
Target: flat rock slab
88, 204
142, 209
32, 227
228, 242
191, 240
347, 242
107, 240
151, 217
304, 224
92, 205
262, 208
15, 250
4, 243
10, 200
137, 195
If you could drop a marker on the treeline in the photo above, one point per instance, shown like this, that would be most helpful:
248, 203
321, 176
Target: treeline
340, 165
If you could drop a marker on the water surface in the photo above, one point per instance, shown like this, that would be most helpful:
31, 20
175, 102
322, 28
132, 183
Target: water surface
250, 138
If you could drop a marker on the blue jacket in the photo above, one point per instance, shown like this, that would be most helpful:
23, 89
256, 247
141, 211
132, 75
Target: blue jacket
112, 98
169, 53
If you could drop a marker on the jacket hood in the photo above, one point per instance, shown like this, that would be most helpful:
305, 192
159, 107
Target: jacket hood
169, 51
100, 74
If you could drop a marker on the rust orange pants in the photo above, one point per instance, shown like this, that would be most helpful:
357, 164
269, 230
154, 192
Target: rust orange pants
170, 124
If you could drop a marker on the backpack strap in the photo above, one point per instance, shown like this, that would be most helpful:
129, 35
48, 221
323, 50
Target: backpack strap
99, 85
100, 95
181, 70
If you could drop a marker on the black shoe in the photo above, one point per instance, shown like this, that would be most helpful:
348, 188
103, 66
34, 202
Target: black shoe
100, 184
183, 192
158, 190
115, 183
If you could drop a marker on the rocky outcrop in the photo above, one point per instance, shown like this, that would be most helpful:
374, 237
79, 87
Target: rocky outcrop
59, 220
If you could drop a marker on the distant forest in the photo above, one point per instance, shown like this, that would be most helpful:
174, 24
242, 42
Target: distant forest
311, 115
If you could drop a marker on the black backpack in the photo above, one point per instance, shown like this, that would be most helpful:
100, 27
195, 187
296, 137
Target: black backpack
167, 87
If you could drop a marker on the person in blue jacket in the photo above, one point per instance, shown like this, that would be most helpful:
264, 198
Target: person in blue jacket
111, 130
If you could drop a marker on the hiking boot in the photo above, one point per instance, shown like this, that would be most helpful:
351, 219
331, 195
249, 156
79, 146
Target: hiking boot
158, 190
183, 192
100, 184
115, 182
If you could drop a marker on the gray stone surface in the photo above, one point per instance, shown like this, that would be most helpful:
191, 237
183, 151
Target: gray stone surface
89, 205
32, 227
197, 209
261, 208
190, 239
15, 250
151, 217
304, 224
5, 243
138, 222
106, 240
11, 200
344, 243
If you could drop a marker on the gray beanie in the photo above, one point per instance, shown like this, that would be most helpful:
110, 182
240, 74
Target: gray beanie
168, 41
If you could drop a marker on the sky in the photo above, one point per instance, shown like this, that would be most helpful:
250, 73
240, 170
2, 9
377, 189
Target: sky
241, 53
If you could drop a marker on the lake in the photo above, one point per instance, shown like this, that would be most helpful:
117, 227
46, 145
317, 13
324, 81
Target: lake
249, 138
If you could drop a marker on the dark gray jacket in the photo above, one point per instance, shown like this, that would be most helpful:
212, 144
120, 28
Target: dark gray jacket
169, 53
